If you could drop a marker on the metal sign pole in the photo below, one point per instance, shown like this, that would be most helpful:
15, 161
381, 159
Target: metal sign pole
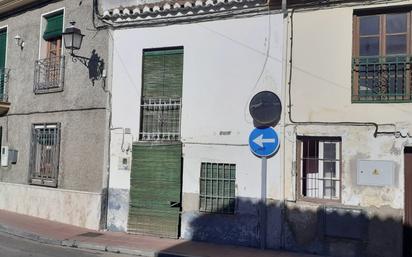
263, 204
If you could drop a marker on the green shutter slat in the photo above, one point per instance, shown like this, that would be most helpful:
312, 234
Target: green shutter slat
155, 181
54, 27
173, 75
3, 44
163, 52
153, 75
163, 73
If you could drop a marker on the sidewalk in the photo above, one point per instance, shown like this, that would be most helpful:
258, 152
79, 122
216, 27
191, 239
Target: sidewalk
49, 232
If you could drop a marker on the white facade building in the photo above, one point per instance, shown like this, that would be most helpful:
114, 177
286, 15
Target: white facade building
225, 62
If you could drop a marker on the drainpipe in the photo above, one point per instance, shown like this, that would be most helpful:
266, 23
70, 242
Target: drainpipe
283, 164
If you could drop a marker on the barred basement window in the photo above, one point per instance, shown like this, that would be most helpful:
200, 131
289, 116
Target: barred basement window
44, 159
217, 187
319, 165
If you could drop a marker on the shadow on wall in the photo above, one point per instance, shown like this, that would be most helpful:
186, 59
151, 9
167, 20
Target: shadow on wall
309, 228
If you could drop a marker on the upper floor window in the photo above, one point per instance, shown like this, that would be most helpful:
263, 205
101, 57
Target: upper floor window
161, 94
49, 68
3, 70
381, 57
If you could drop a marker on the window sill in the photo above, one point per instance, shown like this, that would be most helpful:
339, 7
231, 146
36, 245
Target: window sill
318, 201
48, 91
381, 101
44, 183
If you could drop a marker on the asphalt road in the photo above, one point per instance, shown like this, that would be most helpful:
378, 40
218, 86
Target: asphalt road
11, 246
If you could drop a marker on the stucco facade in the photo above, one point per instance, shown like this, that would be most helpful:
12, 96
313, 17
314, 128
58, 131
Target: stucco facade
321, 91
306, 54
80, 108
225, 63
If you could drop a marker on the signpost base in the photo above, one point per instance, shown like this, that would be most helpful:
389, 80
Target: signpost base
263, 204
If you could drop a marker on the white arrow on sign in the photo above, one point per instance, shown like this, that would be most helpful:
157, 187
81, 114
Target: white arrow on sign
260, 140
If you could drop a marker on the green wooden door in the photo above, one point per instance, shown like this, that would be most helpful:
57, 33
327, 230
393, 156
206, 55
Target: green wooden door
155, 190
3, 45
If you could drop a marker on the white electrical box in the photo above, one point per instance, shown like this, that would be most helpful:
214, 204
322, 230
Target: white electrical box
4, 156
376, 173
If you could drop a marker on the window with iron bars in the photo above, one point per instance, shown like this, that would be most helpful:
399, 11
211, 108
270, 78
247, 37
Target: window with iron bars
49, 70
160, 119
217, 187
160, 106
44, 158
381, 62
319, 167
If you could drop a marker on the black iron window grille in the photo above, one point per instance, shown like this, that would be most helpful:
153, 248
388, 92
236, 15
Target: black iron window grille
217, 187
49, 75
45, 150
4, 79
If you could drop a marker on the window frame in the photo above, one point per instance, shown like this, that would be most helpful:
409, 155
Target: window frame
43, 26
5, 71
45, 60
218, 197
161, 104
299, 154
33, 157
382, 14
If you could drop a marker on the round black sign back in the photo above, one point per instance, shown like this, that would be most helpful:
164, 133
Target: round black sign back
265, 108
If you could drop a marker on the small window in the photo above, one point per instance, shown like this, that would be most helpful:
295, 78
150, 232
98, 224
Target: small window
381, 61
217, 187
319, 166
50, 67
45, 150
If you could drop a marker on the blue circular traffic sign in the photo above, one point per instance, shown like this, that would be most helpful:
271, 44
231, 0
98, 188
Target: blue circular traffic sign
264, 142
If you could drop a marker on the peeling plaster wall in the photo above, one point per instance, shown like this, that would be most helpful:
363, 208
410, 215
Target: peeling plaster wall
357, 144
119, 181
321, 91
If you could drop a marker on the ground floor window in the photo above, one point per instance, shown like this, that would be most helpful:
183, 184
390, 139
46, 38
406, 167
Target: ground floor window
319, 166
217, 187
44, 159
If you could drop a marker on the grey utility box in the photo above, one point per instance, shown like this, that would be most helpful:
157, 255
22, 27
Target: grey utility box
376, 173
13, 156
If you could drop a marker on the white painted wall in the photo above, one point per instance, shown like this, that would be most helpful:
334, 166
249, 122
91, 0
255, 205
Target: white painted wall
225, 63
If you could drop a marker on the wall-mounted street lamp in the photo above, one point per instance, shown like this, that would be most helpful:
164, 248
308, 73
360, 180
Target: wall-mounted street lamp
73, 39
19, 41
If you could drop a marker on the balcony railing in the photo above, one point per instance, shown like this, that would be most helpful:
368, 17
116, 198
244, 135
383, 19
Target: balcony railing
160, 119
381, 79
4, 85
49, 75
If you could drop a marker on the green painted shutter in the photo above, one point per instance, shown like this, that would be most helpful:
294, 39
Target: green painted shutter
3, 45
155, 188
163, 73
54, 26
